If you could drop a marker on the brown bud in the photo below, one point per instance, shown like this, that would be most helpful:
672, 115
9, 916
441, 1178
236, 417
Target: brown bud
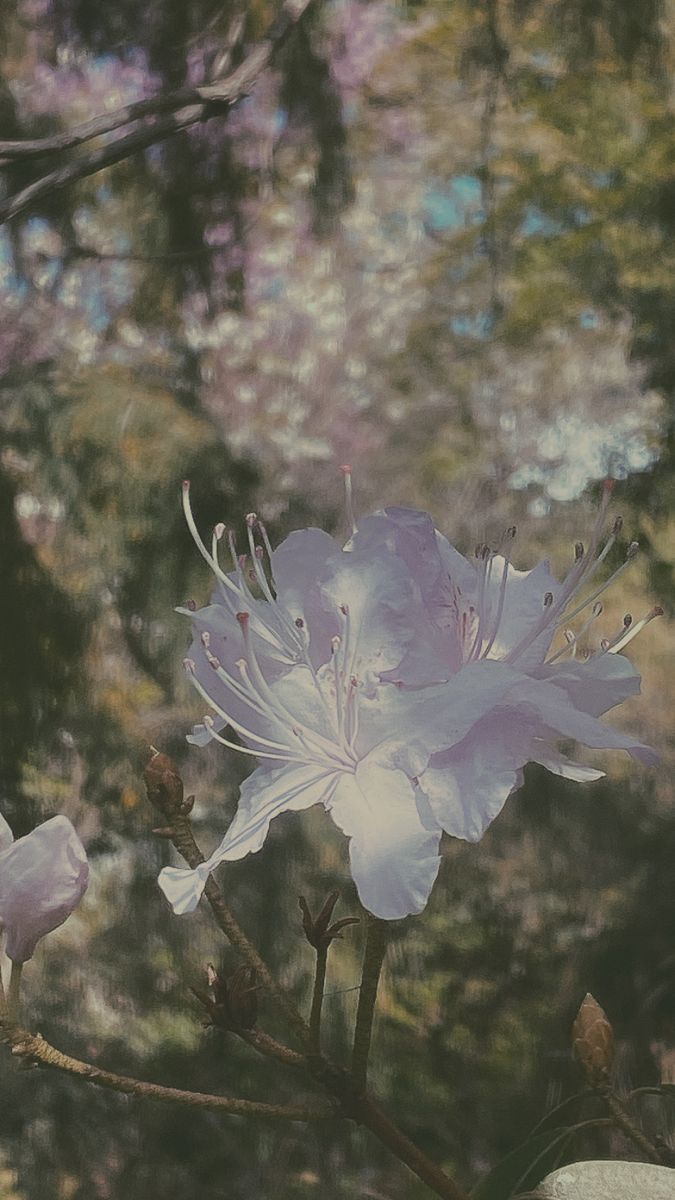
164, 785
231, 1002
593, 1040
318, 930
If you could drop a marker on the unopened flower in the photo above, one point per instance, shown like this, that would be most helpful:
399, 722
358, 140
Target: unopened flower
398, 684
43, 877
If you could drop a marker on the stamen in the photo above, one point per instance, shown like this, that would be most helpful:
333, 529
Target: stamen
320, 744
225, 716
571, 583
630, 555
573, 639
227, 584
508, 536
349, 503
208, 721
633, 631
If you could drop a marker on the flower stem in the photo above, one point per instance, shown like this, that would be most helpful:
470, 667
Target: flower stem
14, 992
373, 957
625, 1123
407, 1152
317, 1000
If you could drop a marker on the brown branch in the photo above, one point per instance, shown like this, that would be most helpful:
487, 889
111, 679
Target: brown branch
186, 107
34, 1048
165, 791
264, 1044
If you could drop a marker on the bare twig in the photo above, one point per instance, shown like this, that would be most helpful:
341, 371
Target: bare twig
623, 1120
165, 790
33, 1048
185, 108
376, 946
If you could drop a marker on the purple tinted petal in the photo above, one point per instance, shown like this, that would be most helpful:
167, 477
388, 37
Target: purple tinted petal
297, 565
43, 877
394, 840
6, 835
596, 684
469, 784
549, 704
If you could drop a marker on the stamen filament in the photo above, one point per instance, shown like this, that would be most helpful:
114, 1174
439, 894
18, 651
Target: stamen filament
225, 716
208, 721
625, 638
349, 504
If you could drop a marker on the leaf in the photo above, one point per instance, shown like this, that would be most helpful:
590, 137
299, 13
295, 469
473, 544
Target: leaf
524, 1167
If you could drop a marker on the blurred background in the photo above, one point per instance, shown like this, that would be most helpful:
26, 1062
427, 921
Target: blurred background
436, 242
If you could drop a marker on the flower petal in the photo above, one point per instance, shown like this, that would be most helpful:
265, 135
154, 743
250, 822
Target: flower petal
394, 838
469, 784
43, 877
559, 764
382, 603
522, 610
6, 835
595, 684
264, 795
550, 705
297, 564
434, 717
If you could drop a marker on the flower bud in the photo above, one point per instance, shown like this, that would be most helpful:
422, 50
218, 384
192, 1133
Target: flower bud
164, 785
318, 930
232, 1001
593, 1040
43, 877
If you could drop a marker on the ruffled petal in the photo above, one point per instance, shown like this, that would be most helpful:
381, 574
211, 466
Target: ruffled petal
559, 764
437, 717
595, 684
550, 705
264, 795
394, 839
469, 784
182, 887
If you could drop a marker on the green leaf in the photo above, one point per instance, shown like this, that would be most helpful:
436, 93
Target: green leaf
524, 1167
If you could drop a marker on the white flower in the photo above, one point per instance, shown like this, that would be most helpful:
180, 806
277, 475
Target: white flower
397, 684
43, 877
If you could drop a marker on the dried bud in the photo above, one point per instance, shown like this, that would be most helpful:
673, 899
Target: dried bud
593, 1040
164, 785
318, 930
231, 1002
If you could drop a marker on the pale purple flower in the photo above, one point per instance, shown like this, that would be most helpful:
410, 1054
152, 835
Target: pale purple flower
43, 877
398, 684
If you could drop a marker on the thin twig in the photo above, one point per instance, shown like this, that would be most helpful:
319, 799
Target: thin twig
184, 841
317, 999
165, 790
264, 1044
34, 1048
376, 946
625, 1123
186, 107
